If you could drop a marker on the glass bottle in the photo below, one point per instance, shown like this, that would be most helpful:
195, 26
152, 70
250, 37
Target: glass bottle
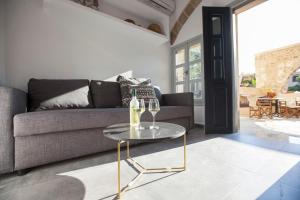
133, 109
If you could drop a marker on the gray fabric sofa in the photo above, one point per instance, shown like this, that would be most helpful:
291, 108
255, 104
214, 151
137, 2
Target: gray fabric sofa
29, 139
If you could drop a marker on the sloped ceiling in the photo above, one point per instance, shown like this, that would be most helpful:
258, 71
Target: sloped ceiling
219, 2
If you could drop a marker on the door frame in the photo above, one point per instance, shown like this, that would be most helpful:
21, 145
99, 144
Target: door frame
238, 7
244, 5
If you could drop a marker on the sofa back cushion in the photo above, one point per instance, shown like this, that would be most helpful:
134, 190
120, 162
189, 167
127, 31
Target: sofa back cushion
47, 94
106, 94
158, 95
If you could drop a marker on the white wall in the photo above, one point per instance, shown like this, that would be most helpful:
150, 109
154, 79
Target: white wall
42, 45
192, 28
2, 42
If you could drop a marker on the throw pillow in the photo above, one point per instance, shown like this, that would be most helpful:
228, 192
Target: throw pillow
158, 95
106, 94
145, 92
58, 94
126, 85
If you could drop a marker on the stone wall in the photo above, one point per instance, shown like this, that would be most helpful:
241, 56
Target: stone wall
275, 67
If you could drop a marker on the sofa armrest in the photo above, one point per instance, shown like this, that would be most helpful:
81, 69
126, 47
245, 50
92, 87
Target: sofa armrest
12, 102
179, 99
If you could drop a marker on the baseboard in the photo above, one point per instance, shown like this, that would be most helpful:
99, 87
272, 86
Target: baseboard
198, 125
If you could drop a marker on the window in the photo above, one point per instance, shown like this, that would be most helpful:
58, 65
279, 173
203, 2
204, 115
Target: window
188, 69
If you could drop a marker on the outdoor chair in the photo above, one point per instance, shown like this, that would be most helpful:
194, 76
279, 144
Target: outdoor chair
253, 108
293, 111
293, 108
282, 108
265, 107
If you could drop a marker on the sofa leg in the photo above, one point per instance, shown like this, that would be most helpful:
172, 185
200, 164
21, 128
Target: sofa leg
22, 172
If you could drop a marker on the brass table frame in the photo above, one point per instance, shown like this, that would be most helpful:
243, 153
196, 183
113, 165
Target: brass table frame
142, 170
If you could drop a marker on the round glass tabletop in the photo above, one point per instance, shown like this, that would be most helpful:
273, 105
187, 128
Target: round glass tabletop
123, 132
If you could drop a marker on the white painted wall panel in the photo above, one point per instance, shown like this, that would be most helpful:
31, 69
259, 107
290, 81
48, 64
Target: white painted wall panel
41, 45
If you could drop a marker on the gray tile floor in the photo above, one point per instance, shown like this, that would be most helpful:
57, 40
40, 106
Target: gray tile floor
256, 163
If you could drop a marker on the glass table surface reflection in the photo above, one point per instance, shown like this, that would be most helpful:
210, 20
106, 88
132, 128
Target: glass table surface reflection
123, 132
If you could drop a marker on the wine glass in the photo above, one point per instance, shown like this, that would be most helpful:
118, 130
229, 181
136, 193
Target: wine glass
154, 108
141, 109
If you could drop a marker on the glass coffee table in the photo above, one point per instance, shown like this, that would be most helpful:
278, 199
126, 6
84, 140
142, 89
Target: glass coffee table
123, 133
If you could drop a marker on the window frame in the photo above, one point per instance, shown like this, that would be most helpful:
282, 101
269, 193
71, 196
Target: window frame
186, 46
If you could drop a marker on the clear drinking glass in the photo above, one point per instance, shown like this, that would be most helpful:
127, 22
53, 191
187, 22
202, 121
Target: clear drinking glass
154, 109
141, 109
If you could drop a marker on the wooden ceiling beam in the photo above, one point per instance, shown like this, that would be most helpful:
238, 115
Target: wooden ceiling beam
185, 14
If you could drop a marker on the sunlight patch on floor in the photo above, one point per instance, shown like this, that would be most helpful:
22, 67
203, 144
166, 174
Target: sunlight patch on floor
244, 167
287, 126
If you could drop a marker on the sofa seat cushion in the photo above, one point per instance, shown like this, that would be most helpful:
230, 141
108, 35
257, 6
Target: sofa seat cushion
41, 122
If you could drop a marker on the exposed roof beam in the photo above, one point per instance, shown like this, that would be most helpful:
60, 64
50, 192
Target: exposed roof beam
185, 14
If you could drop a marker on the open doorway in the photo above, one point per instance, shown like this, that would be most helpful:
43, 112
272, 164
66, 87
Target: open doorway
268, 58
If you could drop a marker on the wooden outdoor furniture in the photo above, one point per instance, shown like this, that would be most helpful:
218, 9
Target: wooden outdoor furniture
253, 108
282, 108
254, 111
297, 101
265, 107
275, 104
293, 111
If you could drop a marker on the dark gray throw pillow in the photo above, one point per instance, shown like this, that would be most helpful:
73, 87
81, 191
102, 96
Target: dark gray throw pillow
158, 95
106, 94
45, 94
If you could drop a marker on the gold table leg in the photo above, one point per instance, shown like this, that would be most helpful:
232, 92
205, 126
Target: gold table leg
128, 153
142, 170
184, 151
